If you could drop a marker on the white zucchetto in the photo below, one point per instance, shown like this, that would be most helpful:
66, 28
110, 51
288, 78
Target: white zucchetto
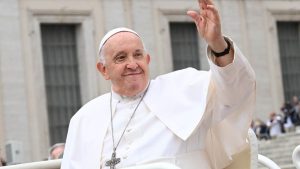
113, 32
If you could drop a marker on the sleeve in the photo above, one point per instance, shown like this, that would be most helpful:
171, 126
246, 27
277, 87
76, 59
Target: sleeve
70, 146
231, 102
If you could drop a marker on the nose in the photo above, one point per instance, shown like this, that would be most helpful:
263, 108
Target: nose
131, 64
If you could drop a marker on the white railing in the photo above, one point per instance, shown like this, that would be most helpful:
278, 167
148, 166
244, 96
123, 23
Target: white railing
247, 159
51, 164
296, 157
265, 161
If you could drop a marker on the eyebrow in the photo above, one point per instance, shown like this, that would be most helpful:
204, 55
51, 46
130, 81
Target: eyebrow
119, 53
122, 52
139, 50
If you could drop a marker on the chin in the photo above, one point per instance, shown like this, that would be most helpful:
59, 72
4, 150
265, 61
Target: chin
137, 86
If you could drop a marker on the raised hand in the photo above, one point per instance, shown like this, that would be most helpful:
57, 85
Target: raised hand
209, 24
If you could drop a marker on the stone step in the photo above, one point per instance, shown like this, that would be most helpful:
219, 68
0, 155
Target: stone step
283, 161
280, 145
270, 143
276, 156
272, 151
289, 166
280, 149
281, 142
287, 151
285, 135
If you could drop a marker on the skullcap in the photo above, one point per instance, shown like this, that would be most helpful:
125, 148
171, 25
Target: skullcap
113, 32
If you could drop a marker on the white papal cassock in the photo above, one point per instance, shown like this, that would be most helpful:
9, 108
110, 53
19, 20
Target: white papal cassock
194, 119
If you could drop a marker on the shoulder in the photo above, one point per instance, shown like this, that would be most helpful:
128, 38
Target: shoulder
183, 76
92, 107
186, 72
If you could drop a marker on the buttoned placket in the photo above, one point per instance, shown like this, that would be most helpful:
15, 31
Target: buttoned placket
104, 159
128, 138
127, 107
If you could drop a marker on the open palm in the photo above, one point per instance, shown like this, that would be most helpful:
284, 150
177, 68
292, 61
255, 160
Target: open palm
208, 22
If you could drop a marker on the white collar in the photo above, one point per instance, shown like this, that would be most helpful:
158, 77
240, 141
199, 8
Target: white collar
122, 98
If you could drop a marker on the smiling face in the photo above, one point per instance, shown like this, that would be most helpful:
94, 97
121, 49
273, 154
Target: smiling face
126, 63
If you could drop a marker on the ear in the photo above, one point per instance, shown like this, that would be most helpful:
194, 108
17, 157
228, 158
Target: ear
103, 70
148, 58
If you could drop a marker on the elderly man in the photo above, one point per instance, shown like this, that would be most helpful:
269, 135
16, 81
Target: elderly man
190, 118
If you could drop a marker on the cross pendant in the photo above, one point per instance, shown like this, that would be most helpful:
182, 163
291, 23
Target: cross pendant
113, 161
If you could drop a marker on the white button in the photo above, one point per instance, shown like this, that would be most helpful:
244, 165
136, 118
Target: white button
125, 157
128, 130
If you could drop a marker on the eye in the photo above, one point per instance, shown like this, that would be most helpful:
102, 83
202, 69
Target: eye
120, 58
138, 55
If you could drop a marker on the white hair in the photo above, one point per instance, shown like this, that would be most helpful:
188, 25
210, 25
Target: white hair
52, 148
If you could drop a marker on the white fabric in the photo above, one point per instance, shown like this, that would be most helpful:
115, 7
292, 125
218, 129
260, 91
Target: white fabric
179, 109
289, 124
154, 166
146, 126
275, 126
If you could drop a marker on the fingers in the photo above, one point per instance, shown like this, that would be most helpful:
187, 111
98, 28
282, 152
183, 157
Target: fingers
207, 18
193, 14
207, 2
199, 21
210, 13
201, 4
202, 26
213, 13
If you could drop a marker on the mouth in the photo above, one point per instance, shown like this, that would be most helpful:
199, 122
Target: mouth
132, 74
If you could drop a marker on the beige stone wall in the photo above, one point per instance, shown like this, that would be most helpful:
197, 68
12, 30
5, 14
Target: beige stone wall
23, 115
13, 89
87, 15
2, 121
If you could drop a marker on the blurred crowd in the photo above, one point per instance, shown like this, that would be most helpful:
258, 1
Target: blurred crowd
279, 123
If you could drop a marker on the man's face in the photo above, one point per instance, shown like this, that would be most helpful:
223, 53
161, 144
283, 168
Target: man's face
126, 63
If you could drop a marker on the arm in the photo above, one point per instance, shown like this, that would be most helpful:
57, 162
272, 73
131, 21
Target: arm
233, 79
231, 94
209, 27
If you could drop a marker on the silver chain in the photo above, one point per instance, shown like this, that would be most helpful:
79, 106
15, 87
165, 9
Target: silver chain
111, 119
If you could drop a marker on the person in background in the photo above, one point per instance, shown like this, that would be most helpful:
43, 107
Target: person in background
261, 130
296, 111
288, 115
275, 125
2, 161
56, 151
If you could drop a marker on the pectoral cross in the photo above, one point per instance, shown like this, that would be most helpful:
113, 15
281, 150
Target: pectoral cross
113, 161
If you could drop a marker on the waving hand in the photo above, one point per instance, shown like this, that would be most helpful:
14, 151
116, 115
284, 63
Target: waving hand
209, 24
